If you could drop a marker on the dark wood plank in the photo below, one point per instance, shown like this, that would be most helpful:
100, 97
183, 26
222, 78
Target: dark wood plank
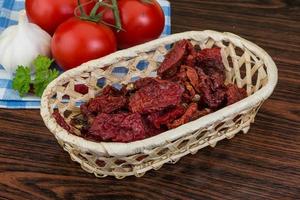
263, 164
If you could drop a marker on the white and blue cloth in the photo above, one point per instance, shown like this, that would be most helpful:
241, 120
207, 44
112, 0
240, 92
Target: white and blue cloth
8, 16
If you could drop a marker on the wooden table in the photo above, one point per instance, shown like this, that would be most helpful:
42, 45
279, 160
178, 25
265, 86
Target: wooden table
263, 164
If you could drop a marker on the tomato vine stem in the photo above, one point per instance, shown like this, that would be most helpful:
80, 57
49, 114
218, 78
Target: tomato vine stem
94, 17
82, 12
116, 15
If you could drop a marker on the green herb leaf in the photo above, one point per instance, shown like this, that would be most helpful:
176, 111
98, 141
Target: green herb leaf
42, 63
21, 81
42, 80
43, 75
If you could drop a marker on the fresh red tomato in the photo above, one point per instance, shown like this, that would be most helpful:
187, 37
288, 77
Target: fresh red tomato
49, 14
75, 42
141, 21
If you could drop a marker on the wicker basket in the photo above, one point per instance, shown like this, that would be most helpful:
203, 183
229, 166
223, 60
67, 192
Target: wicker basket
246, 64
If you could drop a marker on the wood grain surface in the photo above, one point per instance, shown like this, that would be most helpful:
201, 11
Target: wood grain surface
263, 164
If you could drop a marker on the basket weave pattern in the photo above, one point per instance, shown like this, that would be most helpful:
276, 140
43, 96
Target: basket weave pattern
243, 67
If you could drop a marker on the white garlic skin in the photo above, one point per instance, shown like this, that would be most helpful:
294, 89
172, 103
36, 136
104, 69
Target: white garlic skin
21, 44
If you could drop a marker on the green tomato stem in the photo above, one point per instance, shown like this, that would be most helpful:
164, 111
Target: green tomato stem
94, 17
82, 12
116, 15
147, 1
105, 4
115, 10
95, 9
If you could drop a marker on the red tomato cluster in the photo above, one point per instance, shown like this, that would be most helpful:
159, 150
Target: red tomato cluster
76, 40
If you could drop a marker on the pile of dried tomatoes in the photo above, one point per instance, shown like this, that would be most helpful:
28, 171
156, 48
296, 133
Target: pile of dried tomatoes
190, 84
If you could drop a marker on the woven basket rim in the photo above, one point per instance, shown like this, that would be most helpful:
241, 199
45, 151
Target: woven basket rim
126, 149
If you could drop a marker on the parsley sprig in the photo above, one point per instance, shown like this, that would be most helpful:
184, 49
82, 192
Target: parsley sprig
43, 76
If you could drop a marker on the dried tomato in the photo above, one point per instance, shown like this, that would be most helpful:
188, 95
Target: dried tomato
156, 97
189, 93
215, 99
123, 127
150, 129
210, 95
109, 90
218, 79
191, 58
234, 94
192, 75
190, 114
88, 116
81, 88
144, 82
173, 59
109, 101
106, 104
189, 79
165, 117
61, 121
210, 60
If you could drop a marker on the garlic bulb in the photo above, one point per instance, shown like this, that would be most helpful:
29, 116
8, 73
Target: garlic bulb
21, 44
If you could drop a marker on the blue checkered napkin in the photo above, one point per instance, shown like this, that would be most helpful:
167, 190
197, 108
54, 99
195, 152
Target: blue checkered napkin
8, 16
